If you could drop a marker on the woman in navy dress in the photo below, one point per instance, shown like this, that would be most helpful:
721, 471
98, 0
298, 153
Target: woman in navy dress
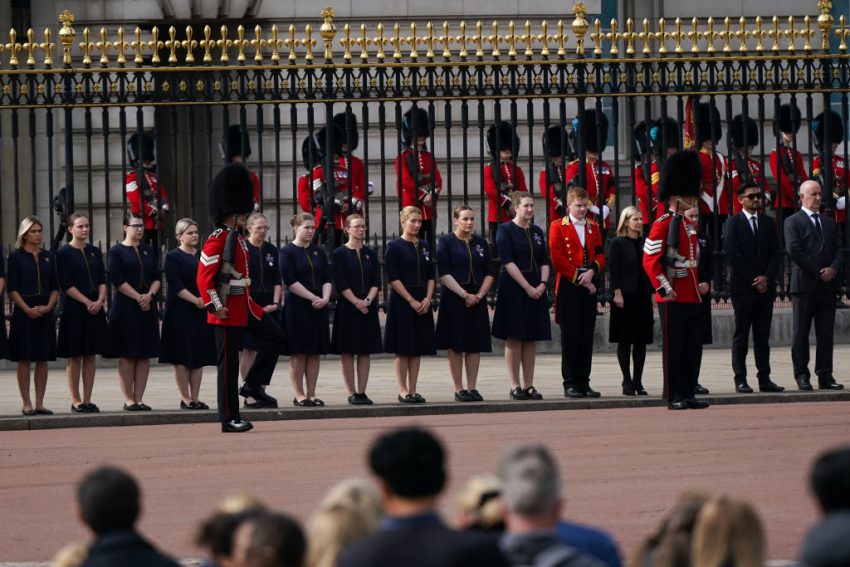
306, 274
187, 340
410, 322
266, 286
82, 327
32, 334
357, 331
4, 343
133, 314
522, 307
463, 322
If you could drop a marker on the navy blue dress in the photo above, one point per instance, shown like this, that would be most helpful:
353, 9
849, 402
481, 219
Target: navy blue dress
186, 338
407, 333
32, 339
4, 343
265, 274
354, 332
518, 316
80, 332
461, 328
307, 328
133, 333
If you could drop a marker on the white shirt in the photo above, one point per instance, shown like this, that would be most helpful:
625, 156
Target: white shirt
751, 216
809, 214
579, 226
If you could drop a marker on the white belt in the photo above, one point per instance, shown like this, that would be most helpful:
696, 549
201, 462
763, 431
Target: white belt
679, 264
245, 282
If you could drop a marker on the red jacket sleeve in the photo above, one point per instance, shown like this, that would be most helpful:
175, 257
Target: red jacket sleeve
520, 180
255, 181
558, 255
438, 179
492, 193
134, 194
598, 250
208, 267
406, 184
642, 193
653, 256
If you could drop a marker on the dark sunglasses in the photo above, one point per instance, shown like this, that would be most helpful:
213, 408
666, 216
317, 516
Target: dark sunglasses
751, 197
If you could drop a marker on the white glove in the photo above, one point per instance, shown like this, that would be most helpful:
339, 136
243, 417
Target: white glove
370, 187
606, 210
840, 204
593, 209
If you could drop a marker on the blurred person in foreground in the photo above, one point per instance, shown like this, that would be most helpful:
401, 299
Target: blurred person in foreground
269, 539
216, 533
728, 533
827, 544
669, 545
409, 466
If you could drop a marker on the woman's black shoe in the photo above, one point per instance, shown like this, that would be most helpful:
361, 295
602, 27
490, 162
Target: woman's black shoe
184, 405
91, 408
628, 388
305, 403
518, 394
463, 396
132, 407
533, 394
476, 395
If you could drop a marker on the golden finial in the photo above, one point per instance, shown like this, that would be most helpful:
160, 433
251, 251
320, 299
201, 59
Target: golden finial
662, 37
171, 44
207, 44
678, 35
308, 41
478, 38
396, 42
364, 43
291, 43
511, 39
328, 30
104, 46
446, 40
562, 39
629, 35
224, 44
29, 46
67, 35
614, 38
580, 26
461, 40
808, 33
86, 46
137, 46
48, 48
380, 42
495, 39
709, 35
743, 34
528, 39
544, 38
646, 37
275, 44
694, 35
240, 43
121, 46
842, 32
346, 42
429, 41
596, 37
155, 44
13, 47
775, 34
727, 35
825, 22
413, 42
791, 34
759, 35
258, 44
189, 45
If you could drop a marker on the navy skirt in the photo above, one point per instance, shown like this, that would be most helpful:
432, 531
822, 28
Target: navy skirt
518, 316
187, 339
133, 333
407, 333
461, 328
32, 340
307, 329
354, 332
80, 332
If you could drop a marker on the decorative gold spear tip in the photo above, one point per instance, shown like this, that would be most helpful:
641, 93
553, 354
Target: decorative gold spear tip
825, 22
580, 26
67, 35
328, 30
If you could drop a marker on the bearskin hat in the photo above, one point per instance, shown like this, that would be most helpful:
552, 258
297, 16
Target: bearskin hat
664, 132
736, 132
836, 128
642, 145
680, 175
415, 123
337, 137
232, 144
311, 144
588, 121
144, 154
552, 140
708, 119
231, 193
502, 136
347, 121
787, 119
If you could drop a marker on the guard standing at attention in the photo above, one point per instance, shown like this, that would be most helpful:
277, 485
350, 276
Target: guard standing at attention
223, 282
671, 260
236, 148
145, 194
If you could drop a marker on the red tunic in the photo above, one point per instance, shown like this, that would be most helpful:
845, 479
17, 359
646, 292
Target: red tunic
712, 183
406, 188
601, 188
340, 190
255, 182
568, 257
757, 176
839, 182
648, 199
512, 176
787, 190
305, 192
552, 196
238, 305
685, 280
357, 179
134, 197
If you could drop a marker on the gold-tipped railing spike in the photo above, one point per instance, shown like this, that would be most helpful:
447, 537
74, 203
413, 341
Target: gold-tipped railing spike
614, 37
121, 46
775, 34
544, 38
662, 36
291, 43
759, 34
66, 35
240, 42
742, 34
381, 42
562, 39
494, 39
137, 46
104, 45
189, 45
825, 23
579, 26
86, 46
710, 35
275, 44
646, 37
413, 42
429, 41
328, 30
462, 39
841, 32
727, 34
47, 46
30, 46
807, 34
207, 44
630, 36
345, 42
694, 35
155, 45
446, 40
258, 44
224, 45
596, 37
511, 39
308, 42
396, 42
528, 40
478, 39
678, 35
171, 44
364, 43
791, 34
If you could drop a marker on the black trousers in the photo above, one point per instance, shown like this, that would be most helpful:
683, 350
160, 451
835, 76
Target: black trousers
151, 238
426, 233
228, 341
820, 308
577, 313
680, 349
752, 311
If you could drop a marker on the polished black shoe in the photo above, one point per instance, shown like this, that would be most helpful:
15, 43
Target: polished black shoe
354, 400
518, 394
770, 386
591, 393
829, 384
184, 405
701, 390
628, 388
743, 388
677, 405
305, 403
696, 404
533, 394
463, 396
259, 396
236, 426
476, 395
640, 390
364, 399
572, 392
91, 408
803, 383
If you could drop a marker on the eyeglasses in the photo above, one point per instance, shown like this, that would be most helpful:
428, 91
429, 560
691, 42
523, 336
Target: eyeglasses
136, 226
752, 197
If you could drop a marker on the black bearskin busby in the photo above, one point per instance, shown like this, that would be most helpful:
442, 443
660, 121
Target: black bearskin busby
836, 128
502, 136
708, 119
588, 121
337, 136
787, 119
552, 140
347, 122
642, 144
145, 153
233, 144
415, 123
311, 144
231, 193
665, 134
736, 132
680, 176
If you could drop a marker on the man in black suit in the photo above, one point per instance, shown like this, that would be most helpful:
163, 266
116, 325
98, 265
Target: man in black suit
752, 250
814, 246
409, 466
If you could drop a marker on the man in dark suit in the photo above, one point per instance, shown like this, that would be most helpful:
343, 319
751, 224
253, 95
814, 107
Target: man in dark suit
752, 250
817, 258
410, 471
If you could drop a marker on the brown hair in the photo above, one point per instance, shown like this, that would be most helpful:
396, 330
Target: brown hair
298, 220
576, 193
459, 209
74, 217
518, 196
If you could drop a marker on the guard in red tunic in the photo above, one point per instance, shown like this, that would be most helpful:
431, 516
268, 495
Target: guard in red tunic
236, 148
786, 163
713, 181
551, 181
354, 169
577, 255
661, 140
599, 176
744, 135
419, 180
671, 259
331, 196
839, 169
308, 199
502, 176
147, 197
223, 281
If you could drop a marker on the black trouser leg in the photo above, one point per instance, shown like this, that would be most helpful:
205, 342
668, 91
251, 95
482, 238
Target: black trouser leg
802, 308
744, 306
269, 338
681, 347
824, 328
691, 350
493, 227
227, 341
624, 358
426, 233
639, 359
577, 313
762, 319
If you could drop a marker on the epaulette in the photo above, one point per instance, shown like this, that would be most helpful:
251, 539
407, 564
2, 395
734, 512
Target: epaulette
662, 217
566, 220
216, 232
572, 162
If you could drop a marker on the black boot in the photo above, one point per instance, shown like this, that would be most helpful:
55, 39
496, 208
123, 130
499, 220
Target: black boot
639, 390
628, 387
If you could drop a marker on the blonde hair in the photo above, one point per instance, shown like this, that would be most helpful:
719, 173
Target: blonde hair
254, 217
71, 555
183, 225
626, 216
349, 219
408, 212
26, 224
479, 502
728, 532
300, 218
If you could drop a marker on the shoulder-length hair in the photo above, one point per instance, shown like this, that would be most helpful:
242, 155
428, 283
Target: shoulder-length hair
625, 217
26, 224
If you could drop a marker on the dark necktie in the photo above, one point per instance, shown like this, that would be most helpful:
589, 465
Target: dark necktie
755, 226
818, 227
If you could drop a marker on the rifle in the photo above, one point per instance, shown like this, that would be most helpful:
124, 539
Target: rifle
425, 184
505, 189
60, 207
671, 252
226, 272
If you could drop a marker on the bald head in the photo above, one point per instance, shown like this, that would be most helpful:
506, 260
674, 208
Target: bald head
810, 195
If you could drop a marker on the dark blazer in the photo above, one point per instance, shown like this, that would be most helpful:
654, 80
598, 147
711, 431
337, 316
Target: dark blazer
749, 258
126, 548
625, 266
809, 253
